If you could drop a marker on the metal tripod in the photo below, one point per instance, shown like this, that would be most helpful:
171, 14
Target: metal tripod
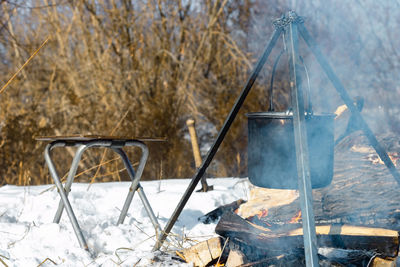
293, 26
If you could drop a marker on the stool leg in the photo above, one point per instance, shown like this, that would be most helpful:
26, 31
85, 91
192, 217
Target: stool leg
149, 210
70, 179
135, 177
64, 198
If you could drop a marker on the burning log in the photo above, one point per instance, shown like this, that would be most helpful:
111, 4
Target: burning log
362, 192
264, 198
383, 241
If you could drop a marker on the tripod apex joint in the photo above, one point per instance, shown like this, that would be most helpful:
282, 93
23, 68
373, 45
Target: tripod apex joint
285, 20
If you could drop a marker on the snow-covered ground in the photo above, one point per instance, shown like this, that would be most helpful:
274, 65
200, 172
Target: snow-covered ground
28, 237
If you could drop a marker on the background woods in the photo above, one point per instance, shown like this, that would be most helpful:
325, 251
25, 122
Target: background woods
141, 68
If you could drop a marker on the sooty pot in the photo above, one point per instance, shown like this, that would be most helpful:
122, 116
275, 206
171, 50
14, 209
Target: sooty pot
272, 152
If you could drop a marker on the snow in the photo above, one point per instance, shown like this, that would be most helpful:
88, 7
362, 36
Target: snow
29, 238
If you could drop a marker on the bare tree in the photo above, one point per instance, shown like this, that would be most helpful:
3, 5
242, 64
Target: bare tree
141, 68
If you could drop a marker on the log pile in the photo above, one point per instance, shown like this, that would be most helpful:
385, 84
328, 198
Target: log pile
290, 237
242, 243
259, 243
353, 216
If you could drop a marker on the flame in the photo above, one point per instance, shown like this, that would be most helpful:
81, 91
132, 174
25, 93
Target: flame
296, 218
375, 159
262, 213
258, 217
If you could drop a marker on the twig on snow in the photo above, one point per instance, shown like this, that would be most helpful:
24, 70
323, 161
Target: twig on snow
47, 259
3, 262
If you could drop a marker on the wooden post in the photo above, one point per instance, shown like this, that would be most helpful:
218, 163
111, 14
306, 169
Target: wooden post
196, 153
195, 143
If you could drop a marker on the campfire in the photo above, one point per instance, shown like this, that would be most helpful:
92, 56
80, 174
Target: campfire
357, 220
319, 209
265, 239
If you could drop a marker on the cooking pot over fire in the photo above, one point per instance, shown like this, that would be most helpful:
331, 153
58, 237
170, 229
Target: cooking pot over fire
272, 151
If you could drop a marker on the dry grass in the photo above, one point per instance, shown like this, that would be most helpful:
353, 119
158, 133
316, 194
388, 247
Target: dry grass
141, 68
122, 68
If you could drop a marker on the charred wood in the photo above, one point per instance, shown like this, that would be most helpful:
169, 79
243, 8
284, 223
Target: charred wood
289, 238
214, 215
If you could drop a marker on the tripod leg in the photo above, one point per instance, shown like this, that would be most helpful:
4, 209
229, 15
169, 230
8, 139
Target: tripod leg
302, 153
221, 135
348, 101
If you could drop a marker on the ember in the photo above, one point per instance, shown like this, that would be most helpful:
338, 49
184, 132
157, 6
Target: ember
375, 159
262, 213
262, 219
296, 218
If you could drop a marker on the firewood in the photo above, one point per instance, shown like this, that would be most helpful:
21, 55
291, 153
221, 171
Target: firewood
380, 262
266, 198
214, 215
235, 258
290, 236
204, 252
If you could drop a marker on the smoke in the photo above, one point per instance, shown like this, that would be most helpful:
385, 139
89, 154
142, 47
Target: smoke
360, 41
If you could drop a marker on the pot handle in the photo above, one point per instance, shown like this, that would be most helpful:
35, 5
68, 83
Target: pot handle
309, 110
271, 86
